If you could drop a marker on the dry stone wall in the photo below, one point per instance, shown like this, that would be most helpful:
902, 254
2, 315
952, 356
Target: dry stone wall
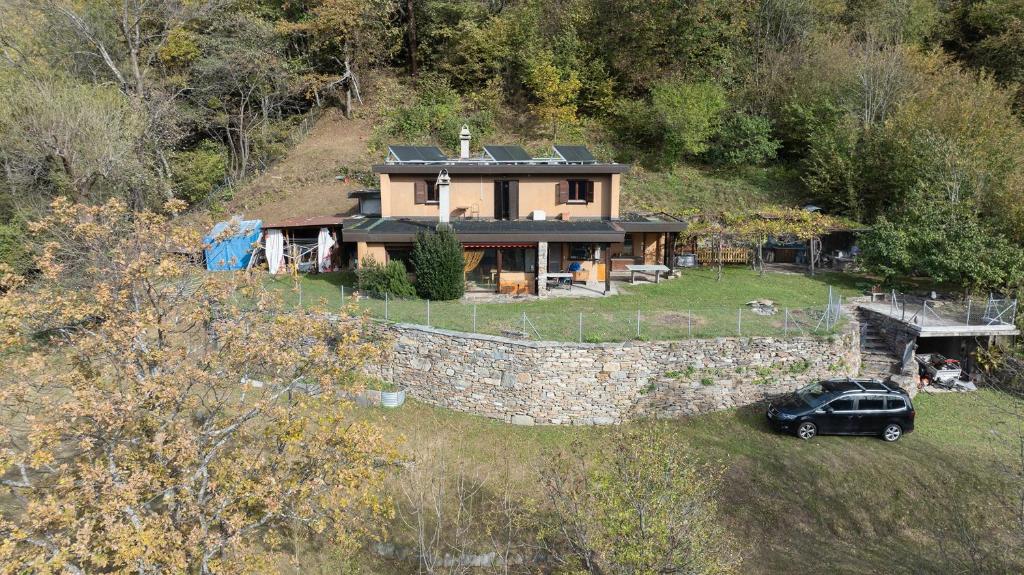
561, 383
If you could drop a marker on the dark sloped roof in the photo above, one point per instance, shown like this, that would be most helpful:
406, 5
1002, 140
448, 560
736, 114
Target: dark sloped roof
650, 222
479, 230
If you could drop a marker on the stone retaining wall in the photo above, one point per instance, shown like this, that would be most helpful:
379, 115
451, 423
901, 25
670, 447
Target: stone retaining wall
527, 382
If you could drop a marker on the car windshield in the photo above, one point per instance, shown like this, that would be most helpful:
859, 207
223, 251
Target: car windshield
818, 393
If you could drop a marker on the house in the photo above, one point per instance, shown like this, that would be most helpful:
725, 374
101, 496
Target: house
518, 217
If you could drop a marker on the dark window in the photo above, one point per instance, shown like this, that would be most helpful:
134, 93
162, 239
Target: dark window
402, 254
842, 404
871, 403
432, 192
895, 403
518, 260
627, 245
578, 190
579, 252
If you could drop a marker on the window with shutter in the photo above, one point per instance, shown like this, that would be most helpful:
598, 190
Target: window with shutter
420, 192
580, 191
562, 190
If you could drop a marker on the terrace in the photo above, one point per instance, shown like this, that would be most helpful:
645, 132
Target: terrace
948, 318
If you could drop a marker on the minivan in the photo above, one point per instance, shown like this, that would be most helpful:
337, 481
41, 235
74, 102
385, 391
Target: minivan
844, 407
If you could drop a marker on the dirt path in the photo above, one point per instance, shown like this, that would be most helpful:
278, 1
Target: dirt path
303, 182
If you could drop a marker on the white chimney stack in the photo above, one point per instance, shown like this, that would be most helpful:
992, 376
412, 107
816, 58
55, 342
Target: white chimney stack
464, 140
444, 196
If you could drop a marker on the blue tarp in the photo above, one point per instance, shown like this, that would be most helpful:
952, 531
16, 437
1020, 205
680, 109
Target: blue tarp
229, 244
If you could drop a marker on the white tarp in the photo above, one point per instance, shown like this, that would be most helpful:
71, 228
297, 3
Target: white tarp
275, 250
324, 243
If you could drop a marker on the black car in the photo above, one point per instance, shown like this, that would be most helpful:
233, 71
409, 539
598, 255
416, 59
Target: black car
844, 407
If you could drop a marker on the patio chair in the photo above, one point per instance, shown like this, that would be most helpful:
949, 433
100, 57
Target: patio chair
574, 268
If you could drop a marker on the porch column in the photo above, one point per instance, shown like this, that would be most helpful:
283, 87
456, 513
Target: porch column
542, 268
607, 269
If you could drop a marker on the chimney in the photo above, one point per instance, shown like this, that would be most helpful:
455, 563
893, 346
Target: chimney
444, 196
464, 140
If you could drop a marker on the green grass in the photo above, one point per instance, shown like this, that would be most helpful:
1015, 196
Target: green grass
831, 505
688, 188
694, 305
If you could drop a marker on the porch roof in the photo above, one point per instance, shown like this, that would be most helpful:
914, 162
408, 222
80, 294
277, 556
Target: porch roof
485, 230
650, 222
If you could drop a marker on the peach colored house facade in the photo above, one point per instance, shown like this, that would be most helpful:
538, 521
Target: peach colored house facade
526, 224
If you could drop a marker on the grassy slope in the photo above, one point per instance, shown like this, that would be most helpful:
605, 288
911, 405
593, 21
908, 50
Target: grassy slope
663, 307
831, 505
688, 188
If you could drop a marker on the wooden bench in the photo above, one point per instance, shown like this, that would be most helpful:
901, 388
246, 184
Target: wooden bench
513, 287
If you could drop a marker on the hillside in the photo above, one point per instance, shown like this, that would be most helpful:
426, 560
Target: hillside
304, 182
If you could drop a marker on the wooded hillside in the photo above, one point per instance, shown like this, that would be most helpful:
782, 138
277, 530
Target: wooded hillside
904, 115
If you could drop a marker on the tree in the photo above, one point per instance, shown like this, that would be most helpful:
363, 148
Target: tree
439, 264
60, 137
158, 420
644, 505
744, 139
555, 92
243, 83
946, 242
689, 115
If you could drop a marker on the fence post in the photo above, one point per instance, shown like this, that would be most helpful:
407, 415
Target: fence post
785, 323
689, 323
474, 318
739, 322
524, 323
638, 324
386, 306
428, 313
968, 311
581, 327
342, 294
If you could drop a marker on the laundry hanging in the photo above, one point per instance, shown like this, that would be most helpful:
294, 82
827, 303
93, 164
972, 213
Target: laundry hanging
324, 243
275, 250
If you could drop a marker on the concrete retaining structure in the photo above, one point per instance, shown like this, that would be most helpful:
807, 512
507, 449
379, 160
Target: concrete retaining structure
563, 383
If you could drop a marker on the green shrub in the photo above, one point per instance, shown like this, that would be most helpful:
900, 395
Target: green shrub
13, 251
437, 258
744, 139
198, 172
391, 278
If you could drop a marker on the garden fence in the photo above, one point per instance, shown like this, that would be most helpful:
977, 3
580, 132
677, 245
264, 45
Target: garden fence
583, 320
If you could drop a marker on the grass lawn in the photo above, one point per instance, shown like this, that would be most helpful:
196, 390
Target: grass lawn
831, 505
694, 305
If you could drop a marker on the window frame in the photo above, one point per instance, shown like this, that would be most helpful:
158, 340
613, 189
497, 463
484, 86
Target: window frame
853, 404
580, 187
433, 196
861, 398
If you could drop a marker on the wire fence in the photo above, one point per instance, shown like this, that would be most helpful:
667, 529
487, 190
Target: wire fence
600, 323
927, 312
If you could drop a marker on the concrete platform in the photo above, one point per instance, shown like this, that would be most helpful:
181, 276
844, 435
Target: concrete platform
938, 325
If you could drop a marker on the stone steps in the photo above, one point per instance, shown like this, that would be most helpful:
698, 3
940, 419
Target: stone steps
876, 360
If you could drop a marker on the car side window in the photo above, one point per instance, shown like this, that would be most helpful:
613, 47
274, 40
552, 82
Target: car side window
895, 403
871, 403
842, 404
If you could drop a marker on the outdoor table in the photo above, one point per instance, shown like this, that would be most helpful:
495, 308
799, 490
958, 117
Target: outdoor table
646, 269
562, 275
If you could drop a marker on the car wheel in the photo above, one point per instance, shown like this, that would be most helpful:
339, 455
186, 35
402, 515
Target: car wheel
806, 430
892, 432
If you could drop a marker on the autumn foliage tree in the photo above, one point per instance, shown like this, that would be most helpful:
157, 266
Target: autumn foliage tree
155, 420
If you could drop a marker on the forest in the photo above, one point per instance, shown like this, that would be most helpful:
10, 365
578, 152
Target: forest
903, 115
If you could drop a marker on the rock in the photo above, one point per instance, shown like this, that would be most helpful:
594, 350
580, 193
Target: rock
522, 420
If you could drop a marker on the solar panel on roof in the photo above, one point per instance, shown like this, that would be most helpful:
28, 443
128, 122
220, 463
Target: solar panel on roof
575, 154
417, 153
507, 154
